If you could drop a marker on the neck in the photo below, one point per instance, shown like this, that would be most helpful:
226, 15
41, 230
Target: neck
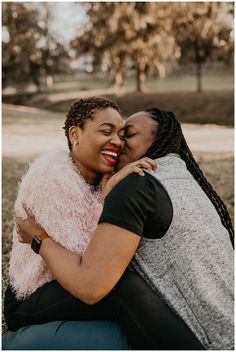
90, 177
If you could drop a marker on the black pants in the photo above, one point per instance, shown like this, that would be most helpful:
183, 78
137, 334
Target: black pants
147, 322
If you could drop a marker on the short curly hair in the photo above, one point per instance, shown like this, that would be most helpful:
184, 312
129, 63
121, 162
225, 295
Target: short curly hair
82, 110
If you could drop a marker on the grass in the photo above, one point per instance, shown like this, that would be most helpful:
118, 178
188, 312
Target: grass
189, 107
208, 107
12, 171
174, 93
219, 172
213, 77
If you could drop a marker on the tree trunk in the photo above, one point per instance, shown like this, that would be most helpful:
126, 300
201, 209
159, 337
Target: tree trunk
119, 80
140, 77
162, 71
199, 77
36, 81
49, 81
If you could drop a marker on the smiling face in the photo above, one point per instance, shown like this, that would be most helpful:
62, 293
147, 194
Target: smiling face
140, 133
97, 144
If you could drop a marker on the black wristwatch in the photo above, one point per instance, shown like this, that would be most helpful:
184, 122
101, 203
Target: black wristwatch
37, 241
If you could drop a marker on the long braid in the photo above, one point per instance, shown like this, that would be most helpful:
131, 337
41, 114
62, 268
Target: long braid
170, 139
197, 173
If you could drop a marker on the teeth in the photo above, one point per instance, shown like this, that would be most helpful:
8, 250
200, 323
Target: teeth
106, 152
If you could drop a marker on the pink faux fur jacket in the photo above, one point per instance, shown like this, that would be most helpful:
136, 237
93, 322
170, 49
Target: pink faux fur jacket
66, 207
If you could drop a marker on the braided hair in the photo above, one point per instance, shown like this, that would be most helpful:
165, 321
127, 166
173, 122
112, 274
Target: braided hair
170, 139
82, 110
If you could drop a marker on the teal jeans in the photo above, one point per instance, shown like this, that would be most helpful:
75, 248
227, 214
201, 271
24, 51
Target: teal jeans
67, 335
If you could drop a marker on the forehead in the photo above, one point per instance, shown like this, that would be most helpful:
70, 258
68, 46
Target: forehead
107, 116
141, 120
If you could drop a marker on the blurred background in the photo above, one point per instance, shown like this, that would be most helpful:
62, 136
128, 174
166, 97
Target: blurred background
176, 56
55, 52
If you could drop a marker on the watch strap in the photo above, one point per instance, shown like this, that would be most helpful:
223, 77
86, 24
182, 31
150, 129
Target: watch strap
42, 236
37, 241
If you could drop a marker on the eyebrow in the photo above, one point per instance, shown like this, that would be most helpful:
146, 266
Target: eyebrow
107, 124
129, 126
110, 125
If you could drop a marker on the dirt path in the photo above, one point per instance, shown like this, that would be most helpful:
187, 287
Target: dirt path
29, 131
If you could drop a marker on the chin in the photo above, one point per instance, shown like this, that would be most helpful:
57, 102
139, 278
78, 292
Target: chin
107, 169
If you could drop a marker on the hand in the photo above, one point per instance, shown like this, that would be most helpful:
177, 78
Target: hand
108, 181
104, 181
27, 229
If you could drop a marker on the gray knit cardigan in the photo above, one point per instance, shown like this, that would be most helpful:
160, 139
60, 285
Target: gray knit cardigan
191, 267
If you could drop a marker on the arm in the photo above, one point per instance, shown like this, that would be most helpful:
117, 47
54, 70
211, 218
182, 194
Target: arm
115, 242
92, 276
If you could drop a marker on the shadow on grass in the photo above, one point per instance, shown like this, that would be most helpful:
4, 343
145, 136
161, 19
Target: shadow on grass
191, 107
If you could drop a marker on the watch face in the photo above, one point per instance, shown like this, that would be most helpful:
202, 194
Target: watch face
35, 245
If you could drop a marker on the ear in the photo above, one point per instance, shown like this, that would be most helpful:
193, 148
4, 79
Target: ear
74, 134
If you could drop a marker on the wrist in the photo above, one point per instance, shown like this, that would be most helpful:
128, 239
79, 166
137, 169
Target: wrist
37, 241
44, 245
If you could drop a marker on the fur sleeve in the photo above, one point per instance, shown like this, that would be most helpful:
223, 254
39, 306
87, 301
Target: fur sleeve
63, 205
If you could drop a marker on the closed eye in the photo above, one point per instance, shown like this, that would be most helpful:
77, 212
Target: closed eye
129, 135
129, 132
106, 132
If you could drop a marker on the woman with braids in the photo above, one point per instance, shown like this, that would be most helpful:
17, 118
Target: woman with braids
172, 229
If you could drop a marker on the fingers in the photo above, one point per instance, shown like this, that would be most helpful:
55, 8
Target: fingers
16, 225
138, 170
18, 219
151, 162
20, 238
27, 210
18, 233
147, 163
18, 222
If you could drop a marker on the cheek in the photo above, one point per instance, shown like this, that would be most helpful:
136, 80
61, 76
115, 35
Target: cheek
92, 143
122, 145
144, 145
138, 148
87, 151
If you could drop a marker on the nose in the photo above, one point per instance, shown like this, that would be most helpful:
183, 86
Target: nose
116, 141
